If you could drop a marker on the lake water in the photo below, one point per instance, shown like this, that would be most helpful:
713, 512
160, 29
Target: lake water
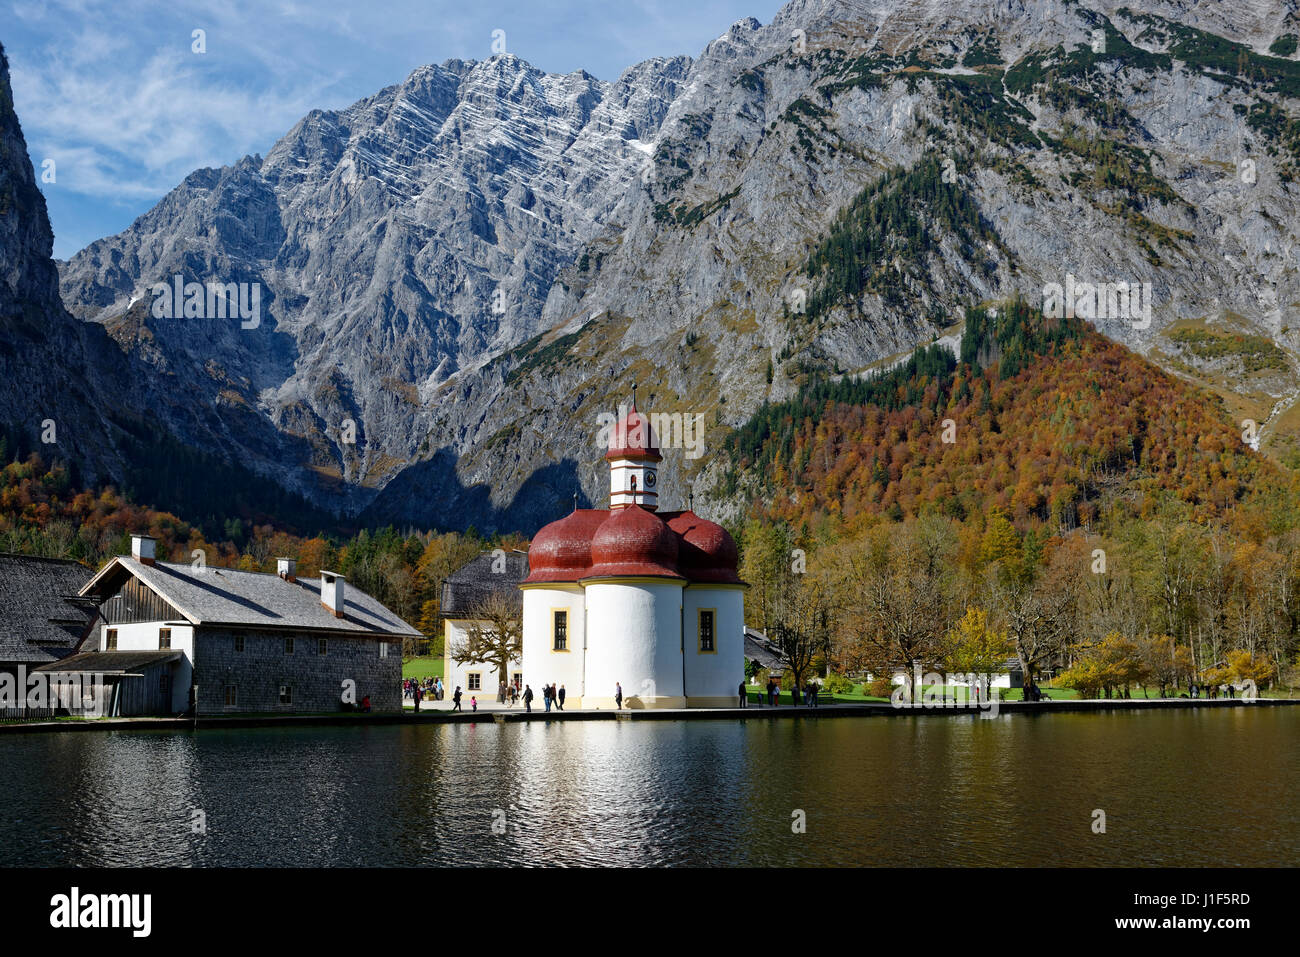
1214, 787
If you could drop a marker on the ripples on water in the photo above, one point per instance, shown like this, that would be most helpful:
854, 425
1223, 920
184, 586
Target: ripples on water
1178, 788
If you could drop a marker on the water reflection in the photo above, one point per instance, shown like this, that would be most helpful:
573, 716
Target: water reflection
1178, 788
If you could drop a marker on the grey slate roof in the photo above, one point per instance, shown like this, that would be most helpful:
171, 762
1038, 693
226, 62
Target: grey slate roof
227, 597
468, 585
108, 662
38, 621
757, 648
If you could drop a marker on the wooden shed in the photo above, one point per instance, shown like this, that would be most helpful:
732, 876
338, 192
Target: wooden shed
128, 683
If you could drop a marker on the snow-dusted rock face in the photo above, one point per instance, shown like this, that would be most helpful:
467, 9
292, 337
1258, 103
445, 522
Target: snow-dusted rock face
467, 268
393, 244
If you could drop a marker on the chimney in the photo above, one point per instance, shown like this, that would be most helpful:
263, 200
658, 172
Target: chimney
331, 592
287, 568
142, 548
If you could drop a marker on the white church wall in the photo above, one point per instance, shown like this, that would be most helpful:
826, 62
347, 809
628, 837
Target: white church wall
634, 638
712, 678
543, 664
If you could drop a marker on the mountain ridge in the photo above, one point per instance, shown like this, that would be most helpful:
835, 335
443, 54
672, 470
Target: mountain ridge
682, 273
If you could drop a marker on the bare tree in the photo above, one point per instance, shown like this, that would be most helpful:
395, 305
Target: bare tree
902, 583
494, 635
800, 619
1039, 609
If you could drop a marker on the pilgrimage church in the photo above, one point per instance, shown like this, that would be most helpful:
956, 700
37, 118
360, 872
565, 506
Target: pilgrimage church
633, 596
626, 596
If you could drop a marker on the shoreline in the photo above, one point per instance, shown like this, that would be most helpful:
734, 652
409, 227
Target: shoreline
752, 713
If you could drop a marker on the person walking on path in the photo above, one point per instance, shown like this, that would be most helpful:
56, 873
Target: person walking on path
455, 698
501, 692
417, 694
514, 695
744, 696
618, 696
546, 696
528, 698
473, 702
560, 697
437, 690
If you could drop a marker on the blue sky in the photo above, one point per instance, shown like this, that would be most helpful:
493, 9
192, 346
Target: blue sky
115, 95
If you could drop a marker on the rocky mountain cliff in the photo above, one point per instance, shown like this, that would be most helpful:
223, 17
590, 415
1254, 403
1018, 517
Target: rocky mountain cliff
54, 369
71, 393
459, 274
393, 246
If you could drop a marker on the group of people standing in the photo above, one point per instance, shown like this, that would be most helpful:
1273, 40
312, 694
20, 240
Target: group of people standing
773, 694
418, 690
553, 697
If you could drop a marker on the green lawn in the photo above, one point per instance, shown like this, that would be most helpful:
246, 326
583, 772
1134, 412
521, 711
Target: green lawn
757, 692
422, 668
1055, 694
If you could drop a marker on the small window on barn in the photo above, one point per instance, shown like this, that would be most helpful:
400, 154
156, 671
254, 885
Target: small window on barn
323, 647
232, 696
110, 640
239, 643
383, 649
286, 694
164, 638
288, 646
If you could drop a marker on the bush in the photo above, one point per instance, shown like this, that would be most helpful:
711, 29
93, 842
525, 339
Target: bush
838, 684
879, 687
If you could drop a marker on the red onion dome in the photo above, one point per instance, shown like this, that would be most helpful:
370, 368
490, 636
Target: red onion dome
633, 438
561, 551
707, 552
633, 541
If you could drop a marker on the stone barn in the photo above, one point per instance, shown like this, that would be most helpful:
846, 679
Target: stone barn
238, 641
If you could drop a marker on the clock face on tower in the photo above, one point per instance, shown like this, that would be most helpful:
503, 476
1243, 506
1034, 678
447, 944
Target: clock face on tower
650, 478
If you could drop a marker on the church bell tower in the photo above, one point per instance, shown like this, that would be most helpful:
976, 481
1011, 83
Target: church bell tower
633, 462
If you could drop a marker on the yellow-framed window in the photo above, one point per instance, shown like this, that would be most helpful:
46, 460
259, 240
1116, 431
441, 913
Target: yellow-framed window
559, 629
706, 630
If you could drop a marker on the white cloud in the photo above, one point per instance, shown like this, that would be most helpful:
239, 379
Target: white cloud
118, 124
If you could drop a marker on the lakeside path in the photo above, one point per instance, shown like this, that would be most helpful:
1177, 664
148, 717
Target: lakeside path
510, 716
